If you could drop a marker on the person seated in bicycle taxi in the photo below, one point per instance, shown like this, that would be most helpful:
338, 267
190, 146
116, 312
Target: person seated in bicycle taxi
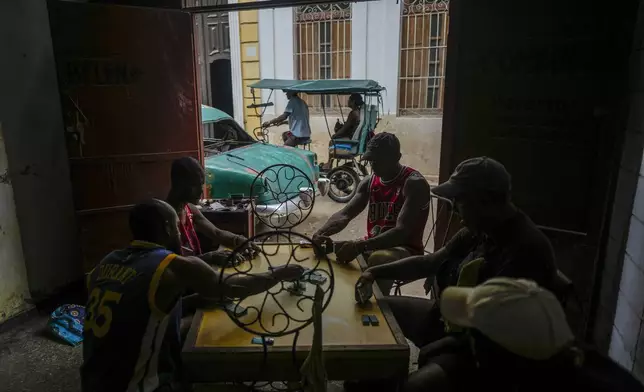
297, 115
347, 129
131, 337
397, 198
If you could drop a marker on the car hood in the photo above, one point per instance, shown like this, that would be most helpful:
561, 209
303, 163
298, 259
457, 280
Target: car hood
232, 173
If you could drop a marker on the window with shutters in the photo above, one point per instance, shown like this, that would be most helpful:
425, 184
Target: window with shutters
423, 47
323, 48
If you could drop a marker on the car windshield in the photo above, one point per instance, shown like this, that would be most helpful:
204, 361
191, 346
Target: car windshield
225, 135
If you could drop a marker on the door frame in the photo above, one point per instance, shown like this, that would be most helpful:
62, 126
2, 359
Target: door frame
235, 65
204, 59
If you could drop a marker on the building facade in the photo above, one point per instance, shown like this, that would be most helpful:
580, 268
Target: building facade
400, 45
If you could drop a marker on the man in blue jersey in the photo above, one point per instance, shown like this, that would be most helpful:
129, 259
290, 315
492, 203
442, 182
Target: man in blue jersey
133, 314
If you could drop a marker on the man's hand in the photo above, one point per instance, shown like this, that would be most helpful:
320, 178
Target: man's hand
249, 246
366, 278
255, 249
347, 251
239, 258
321, 239
288, 272
322, 245
266, 124
363, 289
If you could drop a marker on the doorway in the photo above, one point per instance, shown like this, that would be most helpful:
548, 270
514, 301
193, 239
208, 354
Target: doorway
212, 38
221, 85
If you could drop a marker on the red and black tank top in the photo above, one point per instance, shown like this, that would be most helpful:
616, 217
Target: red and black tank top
385, 202
189, 240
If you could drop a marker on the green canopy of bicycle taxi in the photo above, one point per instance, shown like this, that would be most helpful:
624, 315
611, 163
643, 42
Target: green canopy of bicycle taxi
320, 87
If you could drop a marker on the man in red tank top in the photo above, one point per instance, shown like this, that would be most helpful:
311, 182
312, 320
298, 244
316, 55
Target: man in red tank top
397, 198
187, 178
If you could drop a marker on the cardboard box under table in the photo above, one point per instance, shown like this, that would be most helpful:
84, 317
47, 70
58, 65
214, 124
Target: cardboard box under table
217, 350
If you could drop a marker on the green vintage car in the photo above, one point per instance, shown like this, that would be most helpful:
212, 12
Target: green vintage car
233, 160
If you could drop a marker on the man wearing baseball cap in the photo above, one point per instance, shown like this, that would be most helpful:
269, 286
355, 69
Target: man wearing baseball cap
397, 198
521, 341
497, 239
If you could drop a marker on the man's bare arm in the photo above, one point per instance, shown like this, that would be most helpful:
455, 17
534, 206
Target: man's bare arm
410, 268
193, 273
350, 125
338, 221
417, 194
205, 227
278, 120
222, 258
419, 267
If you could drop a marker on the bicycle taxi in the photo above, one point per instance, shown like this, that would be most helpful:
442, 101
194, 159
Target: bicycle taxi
345, 168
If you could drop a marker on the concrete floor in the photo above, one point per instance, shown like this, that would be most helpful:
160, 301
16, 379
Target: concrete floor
31, 361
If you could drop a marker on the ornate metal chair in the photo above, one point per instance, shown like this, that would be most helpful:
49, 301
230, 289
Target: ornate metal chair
276, 316
440, 209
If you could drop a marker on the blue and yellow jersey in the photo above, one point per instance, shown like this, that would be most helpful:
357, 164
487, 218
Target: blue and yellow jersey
129, 344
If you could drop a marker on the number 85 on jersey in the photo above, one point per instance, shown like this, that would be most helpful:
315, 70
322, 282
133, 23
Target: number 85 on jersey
99, 311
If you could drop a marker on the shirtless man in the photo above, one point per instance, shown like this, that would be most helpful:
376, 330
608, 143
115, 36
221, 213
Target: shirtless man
131, 331
398, 200
187, 178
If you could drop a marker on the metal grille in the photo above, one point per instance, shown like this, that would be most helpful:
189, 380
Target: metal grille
422, 56
323, 47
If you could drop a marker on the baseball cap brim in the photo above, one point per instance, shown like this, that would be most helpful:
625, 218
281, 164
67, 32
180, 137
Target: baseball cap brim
449, 190
367, 156
454, 305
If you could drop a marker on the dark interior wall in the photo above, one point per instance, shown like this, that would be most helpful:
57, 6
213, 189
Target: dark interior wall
33, 129
540, 86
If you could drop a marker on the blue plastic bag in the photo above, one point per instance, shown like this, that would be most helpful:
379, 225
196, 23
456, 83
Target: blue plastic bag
66, 323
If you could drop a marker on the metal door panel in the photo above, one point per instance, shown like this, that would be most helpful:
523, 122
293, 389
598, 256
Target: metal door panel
128, 87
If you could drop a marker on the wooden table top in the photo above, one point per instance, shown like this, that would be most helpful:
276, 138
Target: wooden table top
214, 335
